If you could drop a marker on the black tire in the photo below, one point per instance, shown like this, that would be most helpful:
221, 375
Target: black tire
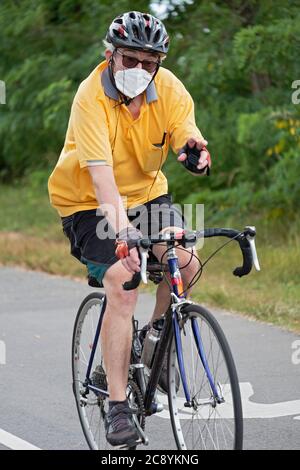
209, 418
100, 406
93, 423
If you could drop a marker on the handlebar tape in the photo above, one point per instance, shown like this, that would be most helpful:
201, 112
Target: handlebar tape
247, 259
133, 283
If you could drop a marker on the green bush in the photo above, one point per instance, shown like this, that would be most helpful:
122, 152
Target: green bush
237, 59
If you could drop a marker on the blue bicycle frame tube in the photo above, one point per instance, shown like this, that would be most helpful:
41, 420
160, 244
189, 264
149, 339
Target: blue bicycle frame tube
176, 279
98, 390
177, 282
177, 289
202, 355
96, 339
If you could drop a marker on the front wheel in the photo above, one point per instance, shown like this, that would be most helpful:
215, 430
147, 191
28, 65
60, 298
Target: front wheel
212, 419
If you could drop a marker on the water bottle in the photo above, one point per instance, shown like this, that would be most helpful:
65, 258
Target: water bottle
150, 342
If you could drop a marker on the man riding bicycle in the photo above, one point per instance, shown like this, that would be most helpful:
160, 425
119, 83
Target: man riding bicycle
124, 116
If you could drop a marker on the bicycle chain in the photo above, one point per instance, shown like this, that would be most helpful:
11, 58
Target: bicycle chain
139, 400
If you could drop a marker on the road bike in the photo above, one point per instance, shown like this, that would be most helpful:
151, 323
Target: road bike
204, 400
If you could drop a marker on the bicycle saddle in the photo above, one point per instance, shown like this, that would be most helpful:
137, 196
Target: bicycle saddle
154, 268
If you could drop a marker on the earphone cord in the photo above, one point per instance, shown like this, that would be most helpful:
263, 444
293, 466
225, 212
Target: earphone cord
125, 100
160, 165
116, 131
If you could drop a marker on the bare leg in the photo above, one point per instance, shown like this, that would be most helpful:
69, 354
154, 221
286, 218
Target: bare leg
116, 331
162, 300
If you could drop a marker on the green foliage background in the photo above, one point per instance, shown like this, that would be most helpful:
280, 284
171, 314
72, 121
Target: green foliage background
237, 58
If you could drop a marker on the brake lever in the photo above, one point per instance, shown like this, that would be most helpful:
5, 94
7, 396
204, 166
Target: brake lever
251, 239
143, 256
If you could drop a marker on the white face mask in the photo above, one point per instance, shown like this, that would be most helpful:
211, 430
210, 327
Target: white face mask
132, 82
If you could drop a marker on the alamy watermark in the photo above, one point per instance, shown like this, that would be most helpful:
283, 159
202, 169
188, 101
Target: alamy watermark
296, 94
153, 219
2, 92
296, 353
2, 353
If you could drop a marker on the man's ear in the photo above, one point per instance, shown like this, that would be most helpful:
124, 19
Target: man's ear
108, 56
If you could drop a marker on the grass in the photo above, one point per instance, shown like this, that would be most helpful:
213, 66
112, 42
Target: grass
271, 295
31, 237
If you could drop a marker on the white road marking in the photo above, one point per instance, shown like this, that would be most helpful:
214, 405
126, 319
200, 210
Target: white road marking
14, 442
251, 410
2, 353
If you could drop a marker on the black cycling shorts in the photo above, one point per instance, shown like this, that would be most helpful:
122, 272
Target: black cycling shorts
93, 241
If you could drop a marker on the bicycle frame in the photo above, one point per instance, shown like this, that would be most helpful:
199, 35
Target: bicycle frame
172, 323
87, 382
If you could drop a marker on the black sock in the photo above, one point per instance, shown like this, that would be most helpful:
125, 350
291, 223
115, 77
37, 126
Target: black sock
112, 403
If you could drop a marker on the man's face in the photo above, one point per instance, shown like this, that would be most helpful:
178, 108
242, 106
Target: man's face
126, 58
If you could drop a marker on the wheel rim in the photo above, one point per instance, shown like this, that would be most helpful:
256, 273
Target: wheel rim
207, 425
91, 413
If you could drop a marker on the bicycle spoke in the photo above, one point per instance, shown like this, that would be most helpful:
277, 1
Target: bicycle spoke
207, 424
85, 362
91, 414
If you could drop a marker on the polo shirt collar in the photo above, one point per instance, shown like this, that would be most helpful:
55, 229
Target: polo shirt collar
112, 92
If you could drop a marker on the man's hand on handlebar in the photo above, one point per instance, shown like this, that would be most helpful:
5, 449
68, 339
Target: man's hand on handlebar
129, 257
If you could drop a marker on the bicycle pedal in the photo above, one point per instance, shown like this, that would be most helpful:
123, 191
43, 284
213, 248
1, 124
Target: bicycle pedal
143, 438
159, 407
156, 407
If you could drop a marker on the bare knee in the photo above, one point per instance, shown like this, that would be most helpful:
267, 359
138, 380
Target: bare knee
189, 265
116, 296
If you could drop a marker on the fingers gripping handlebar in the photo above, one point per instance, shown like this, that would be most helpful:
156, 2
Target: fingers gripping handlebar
143, 246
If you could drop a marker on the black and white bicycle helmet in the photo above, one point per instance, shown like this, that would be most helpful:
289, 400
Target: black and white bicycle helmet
141, 31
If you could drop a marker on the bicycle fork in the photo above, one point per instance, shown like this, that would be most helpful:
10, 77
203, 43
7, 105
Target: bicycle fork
180, 300
202, 355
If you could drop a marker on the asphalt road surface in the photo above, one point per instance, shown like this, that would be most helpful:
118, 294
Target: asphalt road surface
37, 408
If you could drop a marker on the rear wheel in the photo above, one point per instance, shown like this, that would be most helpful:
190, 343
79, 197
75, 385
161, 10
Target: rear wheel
213, 418
91, 406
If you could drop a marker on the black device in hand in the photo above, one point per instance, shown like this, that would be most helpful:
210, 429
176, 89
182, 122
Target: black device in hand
191, 162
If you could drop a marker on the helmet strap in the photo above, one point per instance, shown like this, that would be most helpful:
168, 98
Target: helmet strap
124, 99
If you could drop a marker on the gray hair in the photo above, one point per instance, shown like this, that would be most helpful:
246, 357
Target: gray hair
108, 46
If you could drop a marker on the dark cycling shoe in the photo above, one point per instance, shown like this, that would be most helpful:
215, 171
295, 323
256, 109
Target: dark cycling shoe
120, 429
163, 379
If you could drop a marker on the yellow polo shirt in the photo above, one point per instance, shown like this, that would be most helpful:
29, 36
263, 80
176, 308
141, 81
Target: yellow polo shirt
103, 132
